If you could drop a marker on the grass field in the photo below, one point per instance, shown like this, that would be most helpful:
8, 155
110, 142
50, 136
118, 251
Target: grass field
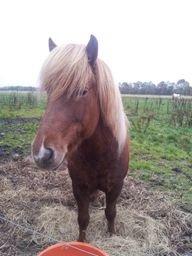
161, 136
161, 162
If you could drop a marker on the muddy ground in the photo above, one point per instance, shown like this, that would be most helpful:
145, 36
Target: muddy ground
10, 148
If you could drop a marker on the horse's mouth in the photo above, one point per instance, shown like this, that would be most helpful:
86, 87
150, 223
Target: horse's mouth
62, 163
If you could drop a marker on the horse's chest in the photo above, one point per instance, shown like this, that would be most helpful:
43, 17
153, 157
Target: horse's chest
96, 168
95, 176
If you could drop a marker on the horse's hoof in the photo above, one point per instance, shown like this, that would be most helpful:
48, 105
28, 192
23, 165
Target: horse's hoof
111, 234
81, 240
82, 237
111, 230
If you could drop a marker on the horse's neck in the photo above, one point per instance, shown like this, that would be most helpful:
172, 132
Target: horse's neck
102, 141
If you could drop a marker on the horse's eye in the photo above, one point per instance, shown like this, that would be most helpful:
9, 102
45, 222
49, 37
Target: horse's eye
84, 92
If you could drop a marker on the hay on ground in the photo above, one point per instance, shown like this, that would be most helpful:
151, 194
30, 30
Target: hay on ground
147, 222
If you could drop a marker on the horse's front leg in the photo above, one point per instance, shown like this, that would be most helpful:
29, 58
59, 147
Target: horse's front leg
110, 211
81, 195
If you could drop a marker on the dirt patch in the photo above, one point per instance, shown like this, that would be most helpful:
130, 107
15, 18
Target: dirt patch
147, 222
15, 127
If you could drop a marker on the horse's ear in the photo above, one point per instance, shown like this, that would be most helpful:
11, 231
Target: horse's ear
92, 50
52, 45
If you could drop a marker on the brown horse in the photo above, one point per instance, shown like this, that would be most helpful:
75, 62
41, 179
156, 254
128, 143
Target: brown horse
84, 125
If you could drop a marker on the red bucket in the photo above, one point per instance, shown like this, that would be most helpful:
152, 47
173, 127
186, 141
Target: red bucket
72, 249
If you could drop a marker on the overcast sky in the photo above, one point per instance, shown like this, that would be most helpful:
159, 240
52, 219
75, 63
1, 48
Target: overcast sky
146, 40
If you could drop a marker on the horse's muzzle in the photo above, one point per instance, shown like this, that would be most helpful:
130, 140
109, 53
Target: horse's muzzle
45, 159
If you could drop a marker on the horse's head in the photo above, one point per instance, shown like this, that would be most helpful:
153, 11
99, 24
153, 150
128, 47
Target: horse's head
72, 111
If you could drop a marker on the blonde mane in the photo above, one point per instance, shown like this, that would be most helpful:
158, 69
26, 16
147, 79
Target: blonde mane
67, 71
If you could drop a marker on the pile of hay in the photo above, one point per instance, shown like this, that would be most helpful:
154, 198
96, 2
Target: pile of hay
147, 222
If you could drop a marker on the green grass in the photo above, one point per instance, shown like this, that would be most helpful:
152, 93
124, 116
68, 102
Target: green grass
24, 112
18, 137
13, 105
161, 138
161, 153
155, 155
18, 120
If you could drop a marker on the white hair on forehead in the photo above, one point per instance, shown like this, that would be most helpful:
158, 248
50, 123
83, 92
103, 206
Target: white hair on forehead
67, 71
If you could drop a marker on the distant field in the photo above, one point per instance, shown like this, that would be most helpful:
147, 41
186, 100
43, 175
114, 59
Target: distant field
153, 96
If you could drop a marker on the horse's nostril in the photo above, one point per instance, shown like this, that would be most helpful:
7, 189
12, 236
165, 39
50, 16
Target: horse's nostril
45, 157
48, 154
